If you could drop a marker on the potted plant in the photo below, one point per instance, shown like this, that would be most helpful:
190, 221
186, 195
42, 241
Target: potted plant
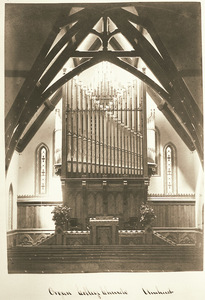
61, 215
147, 215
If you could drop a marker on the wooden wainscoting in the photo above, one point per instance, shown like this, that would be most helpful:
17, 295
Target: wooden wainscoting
35, 213
173, 211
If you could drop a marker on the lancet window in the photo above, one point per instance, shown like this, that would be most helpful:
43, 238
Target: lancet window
42, 169
170, 169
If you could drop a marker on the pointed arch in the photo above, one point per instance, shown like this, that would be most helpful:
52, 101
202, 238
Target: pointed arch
42, 169
56, 52
170, 169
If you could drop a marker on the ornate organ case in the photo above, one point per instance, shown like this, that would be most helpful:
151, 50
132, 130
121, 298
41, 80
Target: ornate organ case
104, 169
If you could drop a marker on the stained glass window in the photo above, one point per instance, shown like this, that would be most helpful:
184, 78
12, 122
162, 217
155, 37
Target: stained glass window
41, 169
170, 170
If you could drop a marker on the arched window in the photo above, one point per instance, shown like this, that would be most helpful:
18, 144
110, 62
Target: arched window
42, 156
10, 208
170, 175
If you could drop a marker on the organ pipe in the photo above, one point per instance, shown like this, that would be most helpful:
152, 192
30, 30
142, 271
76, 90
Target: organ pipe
105, 129
58, 137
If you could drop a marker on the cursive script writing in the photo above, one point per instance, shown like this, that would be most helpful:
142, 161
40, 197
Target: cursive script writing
157, 292
103, 292
59, 293
88, 292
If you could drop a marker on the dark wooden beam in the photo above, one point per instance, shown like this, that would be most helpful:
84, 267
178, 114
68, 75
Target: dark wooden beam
116, 46
177, 98
80, 68
35, 99
68, 52
22, 125
178, 127
49, 107
189, 105
28, 86
148, 53
124, 65
100, 53
157, 89
41, 63
94, 47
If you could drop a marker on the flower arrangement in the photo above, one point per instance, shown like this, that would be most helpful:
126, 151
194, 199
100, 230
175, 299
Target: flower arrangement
61, 214
147, 215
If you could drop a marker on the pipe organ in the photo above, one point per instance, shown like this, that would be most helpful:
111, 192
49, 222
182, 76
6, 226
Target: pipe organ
151, 138
104, 128
104, 169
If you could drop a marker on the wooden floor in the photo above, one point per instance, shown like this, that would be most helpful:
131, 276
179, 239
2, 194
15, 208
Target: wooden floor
112, 258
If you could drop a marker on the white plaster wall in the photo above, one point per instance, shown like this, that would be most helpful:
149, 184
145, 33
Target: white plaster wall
199, 195
12, 178
187, 167
26, 182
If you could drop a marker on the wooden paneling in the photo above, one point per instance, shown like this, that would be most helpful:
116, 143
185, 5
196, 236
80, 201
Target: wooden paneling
173, 214
169, 213
35, 216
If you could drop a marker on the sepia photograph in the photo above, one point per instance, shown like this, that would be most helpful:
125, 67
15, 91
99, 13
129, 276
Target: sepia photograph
103, 139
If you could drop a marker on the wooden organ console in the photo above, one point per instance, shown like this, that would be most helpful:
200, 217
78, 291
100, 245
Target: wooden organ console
103, 161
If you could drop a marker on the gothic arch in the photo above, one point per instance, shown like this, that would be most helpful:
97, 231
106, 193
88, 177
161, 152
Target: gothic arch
41, 169
170, 169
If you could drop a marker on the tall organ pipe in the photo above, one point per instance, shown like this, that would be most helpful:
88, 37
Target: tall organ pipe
104, 129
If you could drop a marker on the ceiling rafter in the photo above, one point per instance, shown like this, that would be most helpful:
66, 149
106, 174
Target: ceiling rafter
23, 142
36, 87
191, 106
51, 60
175, 96
29, 84
163, 107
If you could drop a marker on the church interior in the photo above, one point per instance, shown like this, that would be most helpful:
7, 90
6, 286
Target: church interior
104, 117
